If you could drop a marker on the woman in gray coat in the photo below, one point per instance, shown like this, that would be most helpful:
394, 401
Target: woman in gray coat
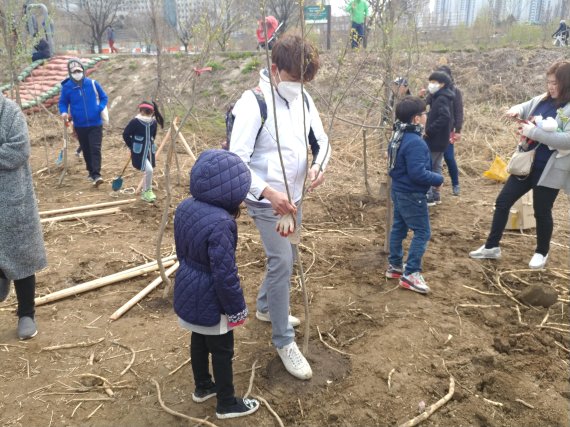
22, 251
551, 168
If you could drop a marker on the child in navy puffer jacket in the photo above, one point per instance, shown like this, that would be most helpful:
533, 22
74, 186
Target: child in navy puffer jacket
208, 298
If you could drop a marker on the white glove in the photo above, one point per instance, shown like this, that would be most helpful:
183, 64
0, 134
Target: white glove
513, 111
527, 128
548, 125
65, 117
286, 225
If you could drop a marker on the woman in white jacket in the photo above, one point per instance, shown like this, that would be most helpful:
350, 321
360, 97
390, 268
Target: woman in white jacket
276, 152
551, 168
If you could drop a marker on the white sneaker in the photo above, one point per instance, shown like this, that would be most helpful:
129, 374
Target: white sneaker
538, 261
295, 362
264, 317
484, 253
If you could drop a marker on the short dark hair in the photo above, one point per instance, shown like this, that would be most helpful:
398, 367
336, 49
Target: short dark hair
409, 107
561, 72
441, 77
288, 53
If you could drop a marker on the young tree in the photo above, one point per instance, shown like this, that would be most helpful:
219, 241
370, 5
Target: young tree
97, 16
286, 12
225, 17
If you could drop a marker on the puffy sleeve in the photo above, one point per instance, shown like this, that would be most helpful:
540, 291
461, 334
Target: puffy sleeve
15, 148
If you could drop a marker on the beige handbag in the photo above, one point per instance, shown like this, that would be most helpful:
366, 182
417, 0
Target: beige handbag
521, 162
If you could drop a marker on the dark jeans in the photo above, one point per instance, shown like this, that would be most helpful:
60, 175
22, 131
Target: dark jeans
90, 139
25, 293
449, 157
221, 347
542, 201
410, 212
356, 34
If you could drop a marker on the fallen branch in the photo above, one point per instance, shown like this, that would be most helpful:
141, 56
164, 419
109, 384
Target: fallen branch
103, 281
431, 409
86, 207
251, 379
390, 378
138, 297
270, 409
178, 414
79, 344
528, 405
185, 143
330, 346
478, 306
126, 347
71, 217
187, 361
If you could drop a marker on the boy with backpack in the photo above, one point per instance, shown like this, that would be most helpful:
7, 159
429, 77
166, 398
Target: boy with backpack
410, 168
277, 187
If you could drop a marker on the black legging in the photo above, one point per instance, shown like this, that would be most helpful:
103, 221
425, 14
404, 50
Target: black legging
542, 200
25, 292
221, 347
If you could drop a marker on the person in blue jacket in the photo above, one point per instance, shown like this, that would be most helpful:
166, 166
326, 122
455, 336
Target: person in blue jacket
83, 100
410, 168
208, 298
139, 136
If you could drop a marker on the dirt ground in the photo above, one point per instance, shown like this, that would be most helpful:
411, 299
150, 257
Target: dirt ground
395, 350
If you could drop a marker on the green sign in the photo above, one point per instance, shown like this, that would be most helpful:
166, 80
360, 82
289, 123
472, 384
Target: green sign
317, 14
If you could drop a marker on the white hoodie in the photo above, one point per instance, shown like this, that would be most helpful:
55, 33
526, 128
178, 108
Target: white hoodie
262, 156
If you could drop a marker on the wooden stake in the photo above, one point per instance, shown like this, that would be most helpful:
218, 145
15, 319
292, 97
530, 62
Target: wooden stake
103, 281
71, 217
185, 143
138, 297
86, 207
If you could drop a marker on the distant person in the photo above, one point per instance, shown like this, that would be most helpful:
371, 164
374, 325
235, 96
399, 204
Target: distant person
208, 298
22, 251
111, 39
358, 10
84, 100
550, 171
457, 124
563, 32
398, 90
139, 136
42, 50
410, 168
438, 125
272, 24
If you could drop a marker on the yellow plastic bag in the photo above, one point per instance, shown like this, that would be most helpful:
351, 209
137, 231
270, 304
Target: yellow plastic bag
497, 171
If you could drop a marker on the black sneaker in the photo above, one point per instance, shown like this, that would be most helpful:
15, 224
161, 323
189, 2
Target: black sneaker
241, 408
202, 394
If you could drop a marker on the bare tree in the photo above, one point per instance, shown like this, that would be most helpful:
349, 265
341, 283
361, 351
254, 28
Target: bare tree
226, 17
286, 12
98, 16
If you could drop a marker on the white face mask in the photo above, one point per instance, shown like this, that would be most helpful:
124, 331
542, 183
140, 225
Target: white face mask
77, 75
289, 91
433, 87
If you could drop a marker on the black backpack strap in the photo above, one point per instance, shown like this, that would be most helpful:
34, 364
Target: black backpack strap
312, 139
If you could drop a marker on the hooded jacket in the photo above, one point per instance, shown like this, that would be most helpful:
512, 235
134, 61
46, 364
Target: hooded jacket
439, 123
207, 283
79, 99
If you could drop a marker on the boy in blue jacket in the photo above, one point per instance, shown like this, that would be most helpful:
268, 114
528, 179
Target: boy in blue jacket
84, 99
208, 298
410, 169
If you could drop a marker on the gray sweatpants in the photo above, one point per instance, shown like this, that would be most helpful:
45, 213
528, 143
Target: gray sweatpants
273, 296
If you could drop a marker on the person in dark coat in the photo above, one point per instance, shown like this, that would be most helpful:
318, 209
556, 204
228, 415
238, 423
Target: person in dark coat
139, 136
457, 124
562, 31
84, 100
42, 50
22, 251
208, 298
438, 127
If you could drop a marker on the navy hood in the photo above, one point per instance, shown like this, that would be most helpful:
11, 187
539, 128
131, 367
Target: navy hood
220, 178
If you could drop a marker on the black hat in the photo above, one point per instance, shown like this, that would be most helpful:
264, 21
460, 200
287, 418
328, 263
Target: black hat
441, 77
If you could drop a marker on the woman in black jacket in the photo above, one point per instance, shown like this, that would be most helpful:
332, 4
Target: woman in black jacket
139, 136
438, 126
